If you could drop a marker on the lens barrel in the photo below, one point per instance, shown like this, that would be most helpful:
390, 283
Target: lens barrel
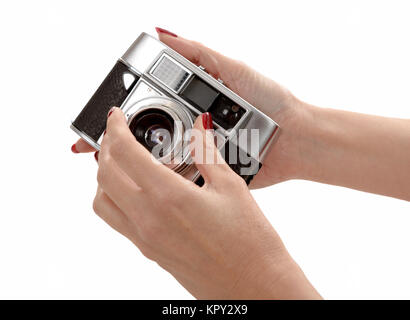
153, 127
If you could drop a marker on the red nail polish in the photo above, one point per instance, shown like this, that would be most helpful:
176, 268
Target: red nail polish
111, 111
74, 149
105, 131
160, 30
96, 156
207, 120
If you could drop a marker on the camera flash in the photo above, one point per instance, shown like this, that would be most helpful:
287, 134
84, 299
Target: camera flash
170, 73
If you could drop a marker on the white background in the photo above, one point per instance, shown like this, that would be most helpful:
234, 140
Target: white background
352, 55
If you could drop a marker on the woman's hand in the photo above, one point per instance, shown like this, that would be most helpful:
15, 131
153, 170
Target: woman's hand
282, 162
348, 149
213, 239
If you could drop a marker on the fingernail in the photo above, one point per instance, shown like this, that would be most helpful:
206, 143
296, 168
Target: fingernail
111, 111
96, 156
160, 30
207, 120
74, 149
105, 131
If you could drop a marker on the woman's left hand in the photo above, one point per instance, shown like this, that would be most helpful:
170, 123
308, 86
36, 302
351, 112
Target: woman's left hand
213, 239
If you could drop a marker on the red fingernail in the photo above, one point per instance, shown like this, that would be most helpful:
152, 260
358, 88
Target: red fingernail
74, 148
105, 131
160, 30
207, 120
111, 111
96, 156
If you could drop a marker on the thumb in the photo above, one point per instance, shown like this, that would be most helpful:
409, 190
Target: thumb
204, 152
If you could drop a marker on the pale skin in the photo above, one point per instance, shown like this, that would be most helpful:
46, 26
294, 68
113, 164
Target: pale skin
214, 239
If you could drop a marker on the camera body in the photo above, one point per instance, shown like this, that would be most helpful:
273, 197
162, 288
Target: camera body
156, 88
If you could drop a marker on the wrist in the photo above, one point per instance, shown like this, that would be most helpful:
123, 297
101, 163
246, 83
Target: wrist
272, 274
296, 121
292, 284
302, 128
280, 279
316, 135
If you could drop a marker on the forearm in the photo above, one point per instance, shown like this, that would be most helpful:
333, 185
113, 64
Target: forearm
353, 150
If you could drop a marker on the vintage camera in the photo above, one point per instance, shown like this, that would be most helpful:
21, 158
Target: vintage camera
156, 88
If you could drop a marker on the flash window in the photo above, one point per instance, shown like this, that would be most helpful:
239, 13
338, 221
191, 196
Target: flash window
170, 73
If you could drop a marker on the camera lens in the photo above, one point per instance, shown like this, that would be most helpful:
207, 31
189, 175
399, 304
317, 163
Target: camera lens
153, 127
155, 135
161, 125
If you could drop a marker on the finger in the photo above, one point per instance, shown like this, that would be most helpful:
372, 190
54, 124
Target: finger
81, 147
131, 157
205, 154
216, 64
107, 210
116, 184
